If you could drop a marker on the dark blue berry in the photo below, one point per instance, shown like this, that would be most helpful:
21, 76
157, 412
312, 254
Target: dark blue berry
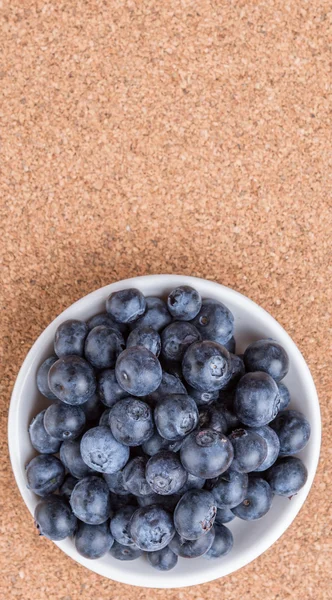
40, 439
134, 477
70, 337
126, 306
293, 431
71, 458
194, 514
165, 474
206, 366
115, 483
45, 474
212, 417
103, 346
267, 356
231, 345
273, 446
93, 541
93, 408
237, 371
192, 483
152, 528
102, 452
184, 303
106, 320
90, 500
226, 406
108, 388
156, 443
224, 515
120, 525
72, 380
176, 416
138, 371
63, 421
229, 489
284, 396
256, 399
156, 314
250, 450
147, 337
192, 548
222, 543
121, 552
170, 384
131, 421
54, 518
287, 476
202, 398
67, 487
206, 453
257, 502
215, 322
105, 418
42, 378
162, 560
176, 338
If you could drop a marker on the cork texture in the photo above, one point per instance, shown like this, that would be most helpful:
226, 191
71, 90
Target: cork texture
144, 136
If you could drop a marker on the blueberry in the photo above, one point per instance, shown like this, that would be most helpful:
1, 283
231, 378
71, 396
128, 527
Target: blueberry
126, 306
184, 303
287, 476
90, 500
138, 371
231, 345
194, 514
212, 417
63, 421
70, 337
121, 552
215, 322
176, 338
267, 356
165, 474
131, 421
93, 408
54, 518
71, 458
121, 500
237, 371
134, 477
40, 439
224, 515
147, 337
162, 560
170, 384
192, 548
167, 502
72, 380
293, 431
156, 314
256, 399
206, 453
156, 443
229, 489
93, 541
192, 483
250, 450
152, 528
173, 367
284, 396
102, 452
206, 366
109, 389
176, 416
105, 418
257, 502
45, 473
103, 346
107, 321
226, 406
273, 446
67, 487
42, 378
115, 483
222, 543
202, 398
120, 525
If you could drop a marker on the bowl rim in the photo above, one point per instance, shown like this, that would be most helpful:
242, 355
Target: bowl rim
159, 581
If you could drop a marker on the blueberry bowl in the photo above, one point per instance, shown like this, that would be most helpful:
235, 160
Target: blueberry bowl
251, 538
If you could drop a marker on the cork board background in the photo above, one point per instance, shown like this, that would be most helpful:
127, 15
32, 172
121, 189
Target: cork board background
144, 136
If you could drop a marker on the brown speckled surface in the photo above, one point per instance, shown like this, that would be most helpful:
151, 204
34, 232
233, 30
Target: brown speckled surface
148, 137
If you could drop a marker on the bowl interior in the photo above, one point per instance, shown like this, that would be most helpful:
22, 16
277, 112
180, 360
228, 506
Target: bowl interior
250, 539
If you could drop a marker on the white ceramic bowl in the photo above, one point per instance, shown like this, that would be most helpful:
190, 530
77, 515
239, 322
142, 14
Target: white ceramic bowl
250, 538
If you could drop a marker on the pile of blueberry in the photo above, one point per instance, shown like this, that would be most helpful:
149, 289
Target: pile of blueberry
158, 433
